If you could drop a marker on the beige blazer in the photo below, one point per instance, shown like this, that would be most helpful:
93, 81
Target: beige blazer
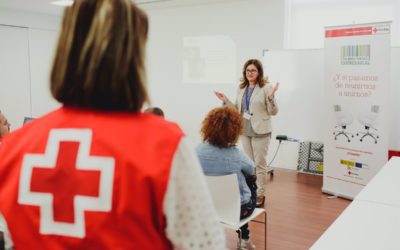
261, 108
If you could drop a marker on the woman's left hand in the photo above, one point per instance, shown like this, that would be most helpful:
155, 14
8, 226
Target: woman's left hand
273, 90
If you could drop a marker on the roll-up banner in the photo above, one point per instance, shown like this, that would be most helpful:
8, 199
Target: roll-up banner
357, 65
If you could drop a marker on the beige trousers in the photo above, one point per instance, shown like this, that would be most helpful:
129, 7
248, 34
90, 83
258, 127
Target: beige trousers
257, 148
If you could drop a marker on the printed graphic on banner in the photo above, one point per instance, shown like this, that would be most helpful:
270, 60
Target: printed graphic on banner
357, 62
355, 54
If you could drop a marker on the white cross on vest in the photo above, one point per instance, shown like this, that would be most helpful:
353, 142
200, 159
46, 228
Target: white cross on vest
53, 181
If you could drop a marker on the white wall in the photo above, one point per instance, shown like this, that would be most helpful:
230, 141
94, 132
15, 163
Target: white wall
14, 74
308, 19
27, 43
252, 25
41, 50
29, 19
301, 92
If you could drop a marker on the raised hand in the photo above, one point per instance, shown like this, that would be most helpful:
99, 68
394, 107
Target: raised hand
221, 96
273, 90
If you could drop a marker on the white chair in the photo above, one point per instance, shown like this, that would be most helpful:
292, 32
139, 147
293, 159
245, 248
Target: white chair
225, 193
368, 120
343, 119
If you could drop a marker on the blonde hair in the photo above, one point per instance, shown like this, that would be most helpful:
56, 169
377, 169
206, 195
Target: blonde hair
99, 61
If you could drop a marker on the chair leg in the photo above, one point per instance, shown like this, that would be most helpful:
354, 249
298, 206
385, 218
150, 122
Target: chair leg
370, 135
240, 238
343, 133
265, 231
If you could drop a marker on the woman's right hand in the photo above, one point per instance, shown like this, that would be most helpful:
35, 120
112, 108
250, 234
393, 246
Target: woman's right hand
221, 96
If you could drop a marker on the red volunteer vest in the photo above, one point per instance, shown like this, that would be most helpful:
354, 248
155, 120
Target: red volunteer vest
79, 179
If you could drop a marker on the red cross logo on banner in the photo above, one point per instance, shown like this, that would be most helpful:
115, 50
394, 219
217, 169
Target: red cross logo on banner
66, 181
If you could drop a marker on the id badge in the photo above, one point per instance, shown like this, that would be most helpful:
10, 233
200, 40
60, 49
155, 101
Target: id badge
246, 116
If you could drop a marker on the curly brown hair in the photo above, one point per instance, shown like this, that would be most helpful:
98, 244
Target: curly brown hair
222, 127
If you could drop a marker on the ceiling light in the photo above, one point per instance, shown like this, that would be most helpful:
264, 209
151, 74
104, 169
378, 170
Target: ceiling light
62, 2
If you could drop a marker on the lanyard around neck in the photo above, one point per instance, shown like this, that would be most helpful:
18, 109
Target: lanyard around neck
247, 98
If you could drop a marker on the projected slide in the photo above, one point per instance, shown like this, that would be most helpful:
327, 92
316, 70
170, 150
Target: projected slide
209, 60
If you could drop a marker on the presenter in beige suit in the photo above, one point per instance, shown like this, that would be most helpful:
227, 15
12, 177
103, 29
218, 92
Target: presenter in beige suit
256, 102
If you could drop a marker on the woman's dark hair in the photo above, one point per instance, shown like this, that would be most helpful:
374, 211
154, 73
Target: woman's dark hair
155, 110
222, 127
99, 60
260, 78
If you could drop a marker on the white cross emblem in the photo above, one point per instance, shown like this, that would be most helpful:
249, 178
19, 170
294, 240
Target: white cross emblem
81, 203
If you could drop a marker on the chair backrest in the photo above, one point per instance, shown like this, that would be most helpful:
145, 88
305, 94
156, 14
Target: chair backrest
337, 108
342, 117
225, 193
375, 109
369, 118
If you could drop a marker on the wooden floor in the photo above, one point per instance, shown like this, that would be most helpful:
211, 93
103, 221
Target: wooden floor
298, 212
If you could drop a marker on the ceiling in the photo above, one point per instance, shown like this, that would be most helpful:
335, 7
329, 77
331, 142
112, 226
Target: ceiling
43, 6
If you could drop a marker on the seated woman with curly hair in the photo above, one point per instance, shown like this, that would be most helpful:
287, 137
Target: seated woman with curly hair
219, 155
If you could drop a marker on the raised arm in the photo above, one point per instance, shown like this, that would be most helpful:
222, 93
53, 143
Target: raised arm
225, 100
272, 106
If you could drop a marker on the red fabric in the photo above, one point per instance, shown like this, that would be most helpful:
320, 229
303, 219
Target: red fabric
142, 145
70, 182
393, 153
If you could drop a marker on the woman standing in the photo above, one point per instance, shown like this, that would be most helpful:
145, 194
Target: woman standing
256, 102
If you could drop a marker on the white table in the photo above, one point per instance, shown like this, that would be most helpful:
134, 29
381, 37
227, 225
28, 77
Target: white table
385, 186
372, 220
